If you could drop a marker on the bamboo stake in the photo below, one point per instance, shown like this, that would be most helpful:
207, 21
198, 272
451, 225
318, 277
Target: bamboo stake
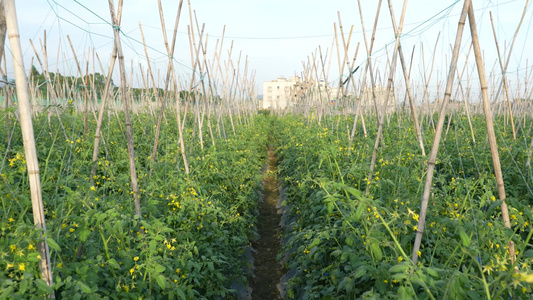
408, 84
170, 53
81, 75
129, 134
511, 48
387, 96
49, 81
369, 67
28, 139
504, 79
490, 128
436, 140
114, 53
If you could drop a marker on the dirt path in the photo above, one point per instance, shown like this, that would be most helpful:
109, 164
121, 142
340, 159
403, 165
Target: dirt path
267, 269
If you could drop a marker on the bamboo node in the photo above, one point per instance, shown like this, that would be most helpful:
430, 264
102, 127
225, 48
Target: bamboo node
33, 172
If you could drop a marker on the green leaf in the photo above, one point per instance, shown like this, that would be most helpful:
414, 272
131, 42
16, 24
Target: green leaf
360, 272
161, 281
113, 263
403, 293
84, 288
432, 272
465, 239
24, 284
84, 234
101, 217
399, 268
181, 293
313, 244
159, 268
350, 240
359, 212
374, 247
152, 245
52, 244
528, 254
42, 286
331, 206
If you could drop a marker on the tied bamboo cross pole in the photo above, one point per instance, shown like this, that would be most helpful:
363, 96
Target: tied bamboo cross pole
465, 96
84, 82
490, 128
49, 81
504, 78
28, 139
96, 148
387, 96
129, 134
170, 52
397, 32
511, 49
438, 133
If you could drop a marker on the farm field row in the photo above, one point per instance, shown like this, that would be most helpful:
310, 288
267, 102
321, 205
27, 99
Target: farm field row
189, 242
344, 236
343, 243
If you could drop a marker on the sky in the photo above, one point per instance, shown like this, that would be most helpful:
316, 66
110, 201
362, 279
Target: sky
276, 37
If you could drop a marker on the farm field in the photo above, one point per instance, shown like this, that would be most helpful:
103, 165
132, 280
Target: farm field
144, 155
338, 241
191, 236
341, 242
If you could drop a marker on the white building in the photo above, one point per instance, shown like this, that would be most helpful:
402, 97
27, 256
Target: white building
278, 94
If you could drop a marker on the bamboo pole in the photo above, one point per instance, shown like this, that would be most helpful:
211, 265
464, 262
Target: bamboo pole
49, 81
369, 67
511, 48
490, 128
407, 82
28, 139
387, 96
438, 133
170, 52
129, 134
504, 79
96, 148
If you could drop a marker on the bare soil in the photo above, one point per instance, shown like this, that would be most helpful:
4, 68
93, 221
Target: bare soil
267, 270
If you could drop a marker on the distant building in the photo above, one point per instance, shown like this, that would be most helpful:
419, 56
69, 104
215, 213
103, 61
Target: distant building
277, 94
283, 92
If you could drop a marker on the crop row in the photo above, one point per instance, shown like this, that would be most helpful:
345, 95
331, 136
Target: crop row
194, 229
344, 243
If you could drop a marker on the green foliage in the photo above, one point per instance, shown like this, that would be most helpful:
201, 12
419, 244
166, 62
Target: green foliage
194, 229
346, 244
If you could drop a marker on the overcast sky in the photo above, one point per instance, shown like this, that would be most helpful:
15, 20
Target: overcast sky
275, 35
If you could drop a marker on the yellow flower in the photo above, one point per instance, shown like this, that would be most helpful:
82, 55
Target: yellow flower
419, 253
11, 220
72, 229
526, 277
22, 267
132, 270
400, 259
9, 266
93, 188
136, 258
